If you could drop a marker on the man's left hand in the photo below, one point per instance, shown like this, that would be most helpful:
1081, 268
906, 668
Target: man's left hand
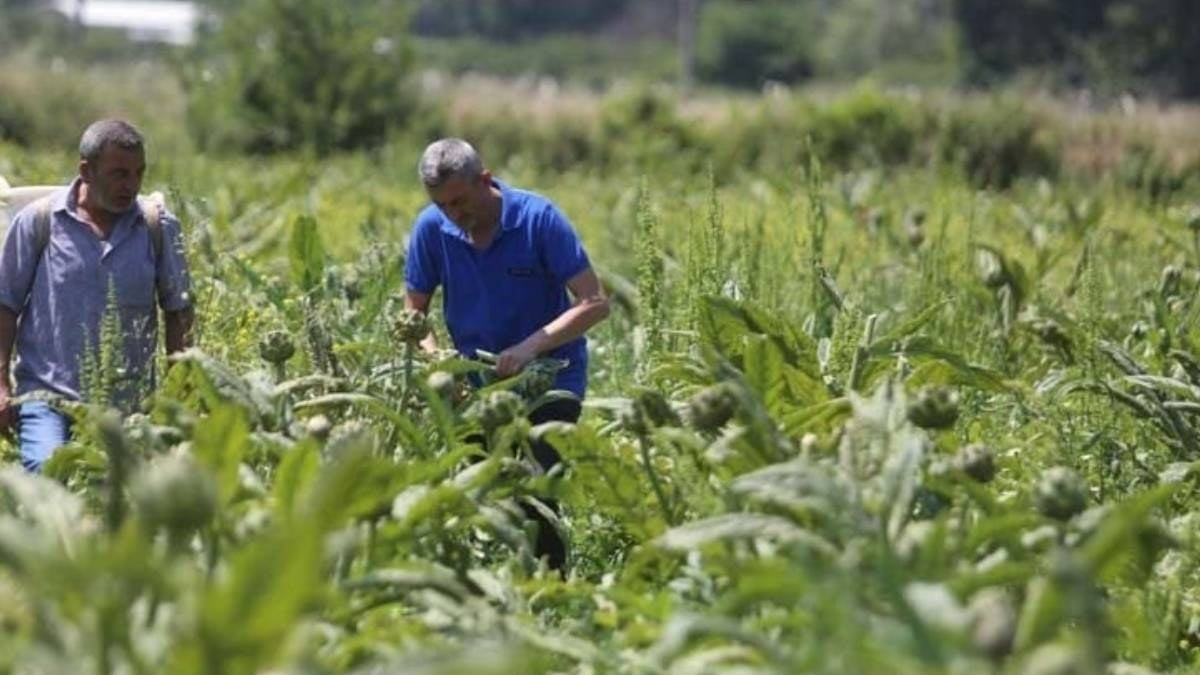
512, 360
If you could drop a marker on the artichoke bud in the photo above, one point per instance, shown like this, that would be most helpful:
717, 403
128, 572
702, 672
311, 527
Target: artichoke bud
318, 426
934, 408
977, 461
1060, 493
175, 494
538, 377
655, 407
1051, 332
633, 419
276, 347
347, 434
443, 384
498, 409
1139, 330
914, 227
992, 270
352, 286
1168, 283
710, 408
409, 327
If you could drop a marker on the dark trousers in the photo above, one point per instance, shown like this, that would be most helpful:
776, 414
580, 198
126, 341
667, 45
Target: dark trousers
565, 410
549, 543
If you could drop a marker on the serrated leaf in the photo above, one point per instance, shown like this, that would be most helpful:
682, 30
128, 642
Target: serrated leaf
937, 367
724, 322
763, 366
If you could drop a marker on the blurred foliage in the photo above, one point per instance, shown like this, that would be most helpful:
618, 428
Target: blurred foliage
1151, 45
996, 141
745, 44
591, 59
511, 19
288, 74
48, 103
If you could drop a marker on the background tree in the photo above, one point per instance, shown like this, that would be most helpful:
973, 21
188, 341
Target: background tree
746, 43
290, 74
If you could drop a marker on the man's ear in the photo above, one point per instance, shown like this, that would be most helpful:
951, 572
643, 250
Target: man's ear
85, 170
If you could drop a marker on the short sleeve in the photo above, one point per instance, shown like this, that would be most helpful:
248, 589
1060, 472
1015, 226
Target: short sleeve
18, 260
173, 282
562, 250
420, 269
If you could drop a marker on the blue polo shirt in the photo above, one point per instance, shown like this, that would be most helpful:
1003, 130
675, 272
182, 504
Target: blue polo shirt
498, 296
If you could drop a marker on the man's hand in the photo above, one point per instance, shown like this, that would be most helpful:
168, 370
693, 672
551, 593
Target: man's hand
8, 417
514, 359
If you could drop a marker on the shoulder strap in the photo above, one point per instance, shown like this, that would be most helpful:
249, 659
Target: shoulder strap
152, 209
41, 225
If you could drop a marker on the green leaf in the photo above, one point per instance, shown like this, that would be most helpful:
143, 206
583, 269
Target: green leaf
243, 622
219, 444
306, 255
764, 372
732, 526
1041, 615
938, 366
296, 472
1004, 574
408, 430
899, 479
724, 322
887, 342
817, 418
1119, 541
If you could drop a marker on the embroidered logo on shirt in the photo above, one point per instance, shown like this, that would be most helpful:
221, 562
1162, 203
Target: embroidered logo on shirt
522, 271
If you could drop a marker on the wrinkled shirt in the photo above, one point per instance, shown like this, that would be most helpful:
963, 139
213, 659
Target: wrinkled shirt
61, 295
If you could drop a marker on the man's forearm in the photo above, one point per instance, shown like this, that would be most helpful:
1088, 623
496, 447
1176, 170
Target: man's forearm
569, 325
178, 328
8, 337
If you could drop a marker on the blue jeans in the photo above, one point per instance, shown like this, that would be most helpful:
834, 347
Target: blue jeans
41, 430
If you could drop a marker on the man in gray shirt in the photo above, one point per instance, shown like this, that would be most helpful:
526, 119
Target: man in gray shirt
64, 261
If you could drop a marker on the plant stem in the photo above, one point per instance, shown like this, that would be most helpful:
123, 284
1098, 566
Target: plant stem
663, 502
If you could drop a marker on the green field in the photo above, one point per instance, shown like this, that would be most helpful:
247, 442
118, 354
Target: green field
882, 407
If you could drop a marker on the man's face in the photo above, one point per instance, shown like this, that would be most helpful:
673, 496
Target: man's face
464, 200
114, 178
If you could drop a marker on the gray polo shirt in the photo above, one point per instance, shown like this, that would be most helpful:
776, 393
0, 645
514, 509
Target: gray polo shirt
60, 295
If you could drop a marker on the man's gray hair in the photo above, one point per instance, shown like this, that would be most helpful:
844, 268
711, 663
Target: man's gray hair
100, 135
447, 158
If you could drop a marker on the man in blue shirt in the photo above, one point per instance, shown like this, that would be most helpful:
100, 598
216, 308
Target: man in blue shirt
60, 260
506, 260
